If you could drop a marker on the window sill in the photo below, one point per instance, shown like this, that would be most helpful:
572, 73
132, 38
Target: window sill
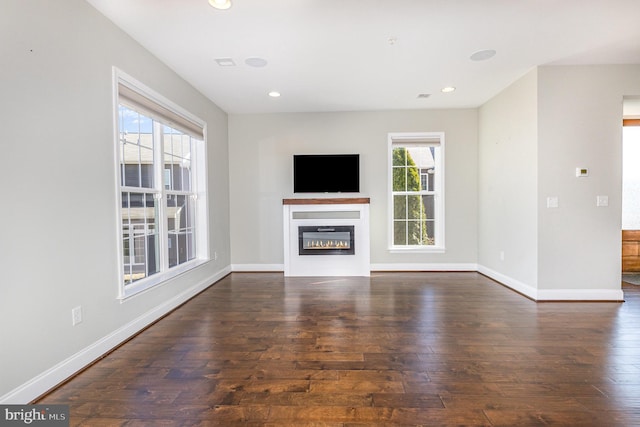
158, 279
417, 250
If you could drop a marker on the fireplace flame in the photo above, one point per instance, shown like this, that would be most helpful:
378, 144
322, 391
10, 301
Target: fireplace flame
327, 244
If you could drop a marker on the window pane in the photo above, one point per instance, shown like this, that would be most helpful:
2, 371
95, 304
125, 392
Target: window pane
139, 236
399, 156
177, 160
181, 214
424, 179
399, 207
429, 206
136, 149
153, 266
180, 224
171, 212
191, 213
127, 243
173, 249
399, 179
431, 179
414, 207
127, 240
139, 249
136, 200
400, 232
413, 179
191, 246
153, 244
131, 174
146, 175
185, 168
414, 233
182, 248
173, 224
430, 239
421, 157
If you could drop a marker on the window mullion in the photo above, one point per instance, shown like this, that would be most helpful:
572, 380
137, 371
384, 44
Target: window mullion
161, 197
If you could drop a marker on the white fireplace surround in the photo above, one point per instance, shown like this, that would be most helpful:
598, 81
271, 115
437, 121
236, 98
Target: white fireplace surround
326, 212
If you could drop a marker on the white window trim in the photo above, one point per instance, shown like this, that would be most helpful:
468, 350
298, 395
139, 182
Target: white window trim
199, 181
418, 138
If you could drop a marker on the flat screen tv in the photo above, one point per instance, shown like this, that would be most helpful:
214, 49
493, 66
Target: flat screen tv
326, 173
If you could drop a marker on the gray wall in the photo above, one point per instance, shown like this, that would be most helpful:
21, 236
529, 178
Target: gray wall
508, 182
58, 209
533, 136
261, 149
580, 125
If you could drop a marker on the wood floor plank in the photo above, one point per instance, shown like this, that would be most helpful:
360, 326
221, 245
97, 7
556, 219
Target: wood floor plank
394, 350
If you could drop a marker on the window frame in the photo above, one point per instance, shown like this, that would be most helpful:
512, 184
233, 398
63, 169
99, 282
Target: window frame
174, 116
419, 139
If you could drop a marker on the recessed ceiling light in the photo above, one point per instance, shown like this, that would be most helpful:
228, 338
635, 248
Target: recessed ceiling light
225, 62
274, 94
483, 55
220, 4
448, 89
424, 95
256, 62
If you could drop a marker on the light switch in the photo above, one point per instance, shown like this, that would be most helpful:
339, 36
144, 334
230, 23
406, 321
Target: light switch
552, 202
582, 172
602, 201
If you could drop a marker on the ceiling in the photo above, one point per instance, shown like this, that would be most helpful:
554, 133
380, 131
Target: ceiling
372, 55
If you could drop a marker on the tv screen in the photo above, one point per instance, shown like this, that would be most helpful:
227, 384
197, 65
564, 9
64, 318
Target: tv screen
326, 173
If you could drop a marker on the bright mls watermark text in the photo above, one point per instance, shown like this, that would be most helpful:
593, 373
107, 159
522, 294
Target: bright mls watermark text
34, 415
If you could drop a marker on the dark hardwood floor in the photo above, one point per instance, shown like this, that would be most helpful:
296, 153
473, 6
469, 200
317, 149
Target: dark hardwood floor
396, 349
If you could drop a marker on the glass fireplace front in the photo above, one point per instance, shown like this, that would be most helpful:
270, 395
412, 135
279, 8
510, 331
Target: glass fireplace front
326, 240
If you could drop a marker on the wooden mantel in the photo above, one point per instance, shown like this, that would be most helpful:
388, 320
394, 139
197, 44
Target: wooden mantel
327, 201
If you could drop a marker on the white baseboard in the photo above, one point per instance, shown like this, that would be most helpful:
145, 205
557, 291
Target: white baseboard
257, 267
374, 267
553, 294
424, 267
613, 295
53, 376
510, 282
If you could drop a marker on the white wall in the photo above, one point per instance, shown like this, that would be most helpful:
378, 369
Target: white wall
58, 203
508, 174
261, 148
580, 125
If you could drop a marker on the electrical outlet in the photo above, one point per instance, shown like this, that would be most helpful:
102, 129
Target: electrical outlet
76, 315
215, 256
501, 255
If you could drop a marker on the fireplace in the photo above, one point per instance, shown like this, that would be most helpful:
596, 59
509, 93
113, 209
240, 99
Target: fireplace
326, 240
332, 227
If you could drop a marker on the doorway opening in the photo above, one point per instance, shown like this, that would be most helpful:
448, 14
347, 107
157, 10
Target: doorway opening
631, 190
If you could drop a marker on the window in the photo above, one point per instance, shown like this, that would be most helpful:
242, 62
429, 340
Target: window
161, 187
416, 197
